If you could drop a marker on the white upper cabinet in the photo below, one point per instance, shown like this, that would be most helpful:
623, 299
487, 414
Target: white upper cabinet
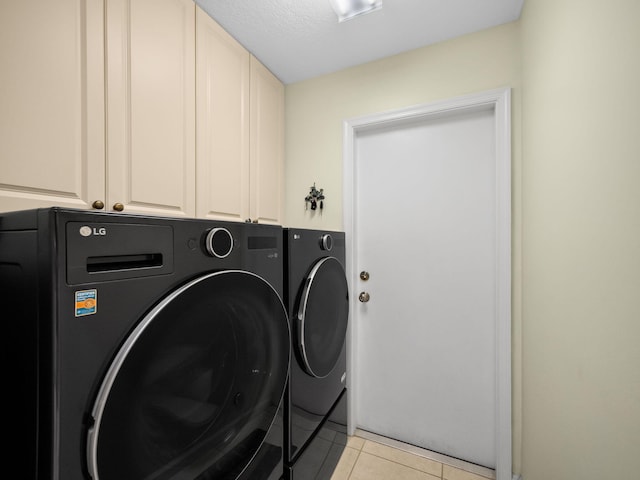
146, 106
151, 106
267, 145
240, 130
52, 149
222, 123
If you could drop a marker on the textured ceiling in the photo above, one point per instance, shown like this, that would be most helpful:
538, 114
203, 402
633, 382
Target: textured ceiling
302, 39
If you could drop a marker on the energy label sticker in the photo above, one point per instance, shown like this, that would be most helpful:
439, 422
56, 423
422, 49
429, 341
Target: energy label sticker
86, 302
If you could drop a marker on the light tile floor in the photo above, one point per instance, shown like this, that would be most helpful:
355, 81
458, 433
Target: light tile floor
371, 457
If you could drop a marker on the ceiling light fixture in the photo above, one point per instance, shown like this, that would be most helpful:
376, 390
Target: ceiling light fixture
348, 9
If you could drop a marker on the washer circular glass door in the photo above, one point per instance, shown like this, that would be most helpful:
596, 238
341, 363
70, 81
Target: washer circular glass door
196, 386
323, 314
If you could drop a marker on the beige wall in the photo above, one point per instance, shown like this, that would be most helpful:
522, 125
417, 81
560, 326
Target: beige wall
581, 239
316, 109
575, 71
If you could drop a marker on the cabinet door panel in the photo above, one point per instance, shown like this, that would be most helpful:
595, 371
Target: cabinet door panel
151, 105
267, 149
51, 104
222, 123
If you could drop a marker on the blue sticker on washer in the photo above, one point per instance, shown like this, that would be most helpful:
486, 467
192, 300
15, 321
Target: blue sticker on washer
86, 302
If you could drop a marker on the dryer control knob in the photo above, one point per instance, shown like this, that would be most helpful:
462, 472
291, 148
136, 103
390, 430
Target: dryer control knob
326, 242
219, 242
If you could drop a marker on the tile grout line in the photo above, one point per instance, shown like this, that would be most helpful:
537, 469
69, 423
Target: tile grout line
354, 464
359, 450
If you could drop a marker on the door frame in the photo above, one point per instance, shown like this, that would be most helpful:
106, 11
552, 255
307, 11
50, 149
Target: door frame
498, 100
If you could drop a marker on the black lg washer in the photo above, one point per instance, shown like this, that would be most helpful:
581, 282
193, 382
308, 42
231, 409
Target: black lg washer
317, 299
148, 348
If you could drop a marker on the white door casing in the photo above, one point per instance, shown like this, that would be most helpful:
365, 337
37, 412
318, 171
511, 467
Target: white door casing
498, 102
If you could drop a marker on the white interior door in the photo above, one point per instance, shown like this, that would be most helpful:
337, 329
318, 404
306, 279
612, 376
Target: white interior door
426, 229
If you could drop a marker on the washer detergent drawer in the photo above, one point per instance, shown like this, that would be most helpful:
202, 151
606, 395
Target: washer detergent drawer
103, 251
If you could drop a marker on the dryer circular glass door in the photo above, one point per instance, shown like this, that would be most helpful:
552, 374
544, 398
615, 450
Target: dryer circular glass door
196, 386
323, 313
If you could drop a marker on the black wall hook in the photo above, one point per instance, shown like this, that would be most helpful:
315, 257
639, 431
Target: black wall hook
315, 198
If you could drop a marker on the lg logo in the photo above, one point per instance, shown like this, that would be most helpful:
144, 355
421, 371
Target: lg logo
87, 231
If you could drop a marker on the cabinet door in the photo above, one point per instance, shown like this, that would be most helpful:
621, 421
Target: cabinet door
222, 123
51, 104
266, 145
151, 106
